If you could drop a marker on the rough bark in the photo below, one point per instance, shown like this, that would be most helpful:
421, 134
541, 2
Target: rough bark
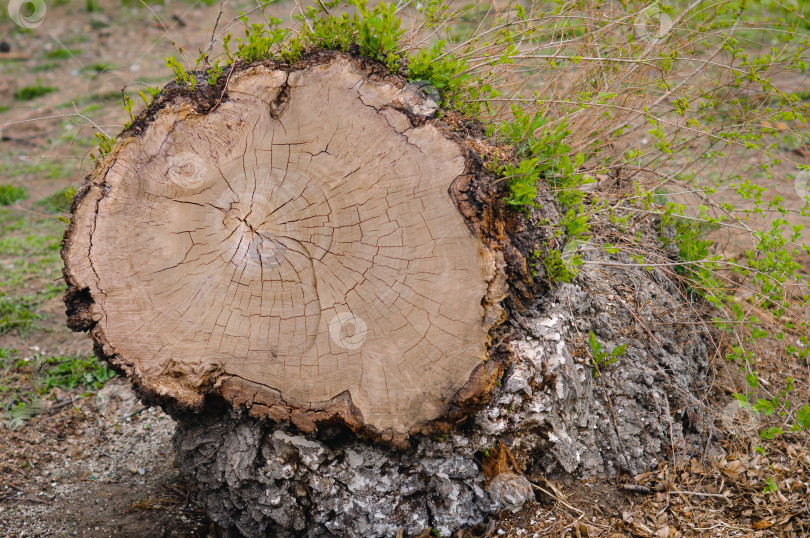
316, 277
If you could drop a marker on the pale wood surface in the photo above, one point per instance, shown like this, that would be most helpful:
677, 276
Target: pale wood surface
286, 252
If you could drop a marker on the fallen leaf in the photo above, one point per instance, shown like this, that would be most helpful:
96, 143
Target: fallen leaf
762, 525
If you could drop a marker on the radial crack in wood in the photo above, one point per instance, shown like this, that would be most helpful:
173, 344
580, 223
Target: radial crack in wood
296, 250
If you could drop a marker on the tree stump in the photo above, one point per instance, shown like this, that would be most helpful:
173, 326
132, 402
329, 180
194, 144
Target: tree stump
314, 274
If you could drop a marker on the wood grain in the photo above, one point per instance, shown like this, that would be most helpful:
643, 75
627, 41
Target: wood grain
296, 250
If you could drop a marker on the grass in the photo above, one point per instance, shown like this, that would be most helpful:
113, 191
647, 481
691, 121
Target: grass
62, 54
49, 66
28, 244
54, 371
101, 67
69, 371
29, 93
16, 314
11, 194
40, 169
28, 379
29, 257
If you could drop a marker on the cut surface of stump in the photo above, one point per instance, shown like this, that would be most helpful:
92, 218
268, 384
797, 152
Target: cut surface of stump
296, 250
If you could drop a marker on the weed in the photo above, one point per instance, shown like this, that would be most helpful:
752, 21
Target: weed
149, 95
59, 201
69, 371
214, 73
558, 269
62, 54
16, 314
378, 33
105, 144
29, 93
180, 74
259, 42
101, 67
11, 194
600, 358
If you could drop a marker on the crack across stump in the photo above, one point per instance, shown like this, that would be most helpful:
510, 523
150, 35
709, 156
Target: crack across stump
303, 248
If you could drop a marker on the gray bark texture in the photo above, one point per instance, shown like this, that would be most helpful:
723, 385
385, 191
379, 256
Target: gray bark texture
554, 414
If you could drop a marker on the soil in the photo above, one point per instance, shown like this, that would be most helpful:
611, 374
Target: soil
87, 466
78, 471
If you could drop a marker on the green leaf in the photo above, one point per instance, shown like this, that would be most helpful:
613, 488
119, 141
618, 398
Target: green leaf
763, 406
803, 416
618, 351
771, 432
595, 345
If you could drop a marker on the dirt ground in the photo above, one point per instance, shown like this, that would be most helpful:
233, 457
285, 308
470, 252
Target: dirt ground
86, 459
78, 472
